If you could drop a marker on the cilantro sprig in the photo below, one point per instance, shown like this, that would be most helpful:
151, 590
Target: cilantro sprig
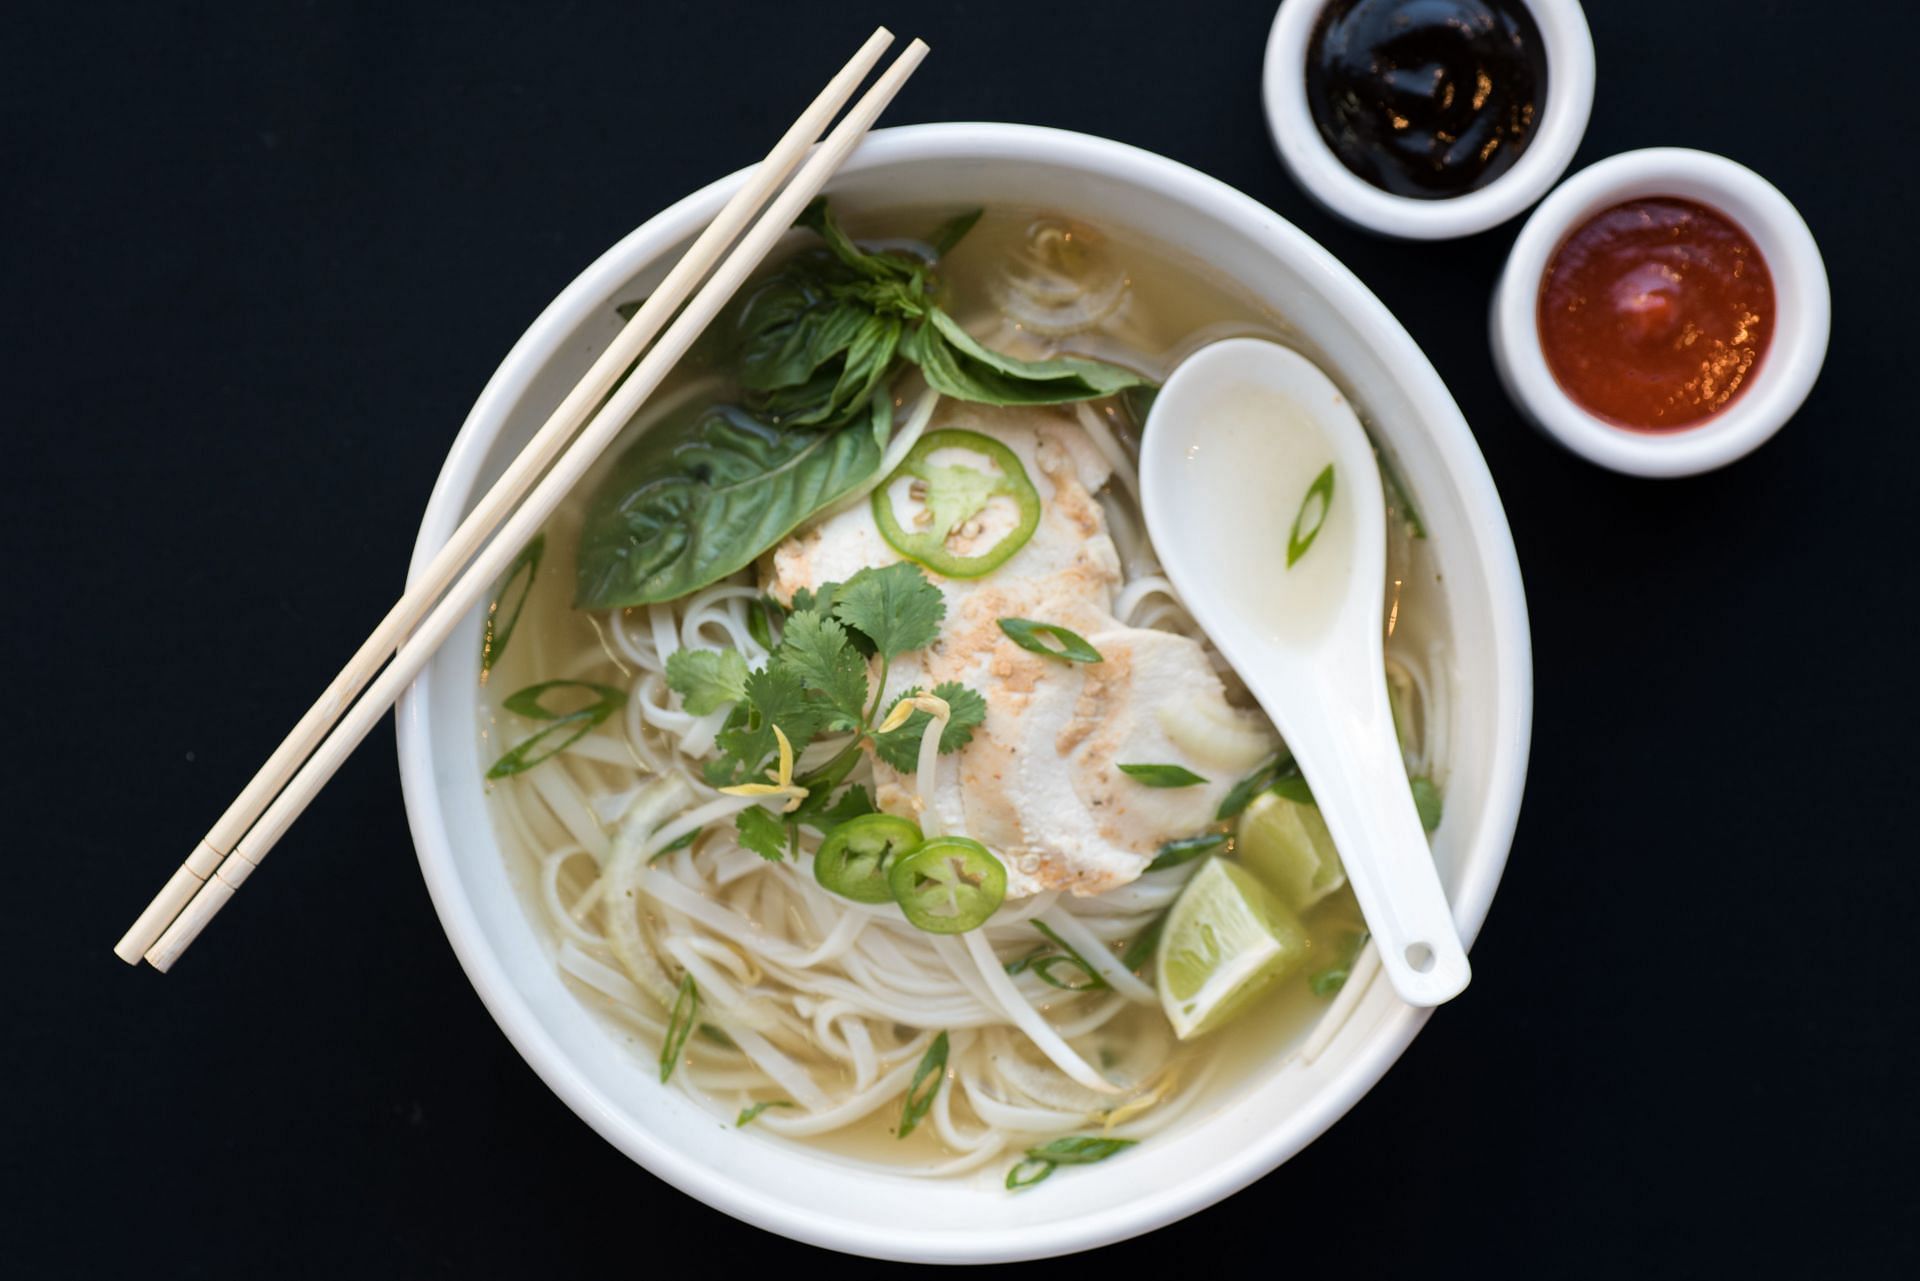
818, 680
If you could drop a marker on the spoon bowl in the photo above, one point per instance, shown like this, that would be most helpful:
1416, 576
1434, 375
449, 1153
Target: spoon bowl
1262, 492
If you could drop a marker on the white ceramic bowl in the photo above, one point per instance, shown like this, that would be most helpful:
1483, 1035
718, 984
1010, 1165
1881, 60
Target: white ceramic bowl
1341, 191
1247, 1130
1803, 311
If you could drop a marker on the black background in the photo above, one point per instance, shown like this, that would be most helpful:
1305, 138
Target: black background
258, 261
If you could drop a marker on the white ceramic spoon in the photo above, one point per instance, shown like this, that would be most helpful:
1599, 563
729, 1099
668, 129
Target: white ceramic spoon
1232, 451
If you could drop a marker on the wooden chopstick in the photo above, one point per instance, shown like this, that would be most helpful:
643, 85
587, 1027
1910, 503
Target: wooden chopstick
499, 501
492, 561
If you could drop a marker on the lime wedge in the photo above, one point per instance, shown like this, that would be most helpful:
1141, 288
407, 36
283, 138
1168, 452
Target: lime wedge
1286, 844
1227, 937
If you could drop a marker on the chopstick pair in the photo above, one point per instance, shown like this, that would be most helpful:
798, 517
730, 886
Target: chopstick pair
330, 730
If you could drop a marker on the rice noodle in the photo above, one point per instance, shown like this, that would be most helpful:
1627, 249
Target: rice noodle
812, 1000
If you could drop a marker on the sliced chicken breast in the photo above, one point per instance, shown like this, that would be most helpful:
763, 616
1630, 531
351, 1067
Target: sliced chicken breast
1040, 784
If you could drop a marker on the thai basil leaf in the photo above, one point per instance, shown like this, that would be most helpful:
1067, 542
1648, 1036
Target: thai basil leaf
950, 233
689, 505
810, 356
958, 366
818, 218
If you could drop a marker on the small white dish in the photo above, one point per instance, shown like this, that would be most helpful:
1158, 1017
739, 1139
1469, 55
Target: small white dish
1344, 193
1803, 311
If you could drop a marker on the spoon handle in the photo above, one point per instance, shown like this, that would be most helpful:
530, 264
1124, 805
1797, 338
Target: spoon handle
1359, 782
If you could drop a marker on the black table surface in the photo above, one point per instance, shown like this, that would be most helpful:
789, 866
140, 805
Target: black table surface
258, 261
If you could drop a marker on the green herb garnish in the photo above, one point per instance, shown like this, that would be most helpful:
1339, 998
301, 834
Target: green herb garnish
686, 1010
1043, 966
763, 833
817, 681
1330, 980
817, 348
1174, 853
1242, 793
1399, 498
900, 747
1162, 775
751, 1111
498, 631
951, 232
678, 844
933, 1066
760, 616
1141, 950
1426, 799
1292, 786
701, 494
707, 679
1026, 633
1311, 516
1043, 962
1076, 1150
566, 728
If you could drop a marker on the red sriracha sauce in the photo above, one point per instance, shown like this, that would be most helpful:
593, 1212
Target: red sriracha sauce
1655, 314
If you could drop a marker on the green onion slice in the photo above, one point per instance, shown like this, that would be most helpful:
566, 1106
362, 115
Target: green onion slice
1292, 786
1398, 498
748, 1113
1030, 1171
760, 616
564, 728
1141, 950
1078, 1149
527, 702
933, 1067
1242, 793
1043, 965
686, 1010
1026, 633
1426, 799
1330, 980
949, 885
1311, 516
501, 621
1174, 853
1162, 775
854, 859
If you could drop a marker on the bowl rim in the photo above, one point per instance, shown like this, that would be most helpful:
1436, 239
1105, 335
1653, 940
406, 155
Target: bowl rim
1509, 737
1803, 312
1344, 193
